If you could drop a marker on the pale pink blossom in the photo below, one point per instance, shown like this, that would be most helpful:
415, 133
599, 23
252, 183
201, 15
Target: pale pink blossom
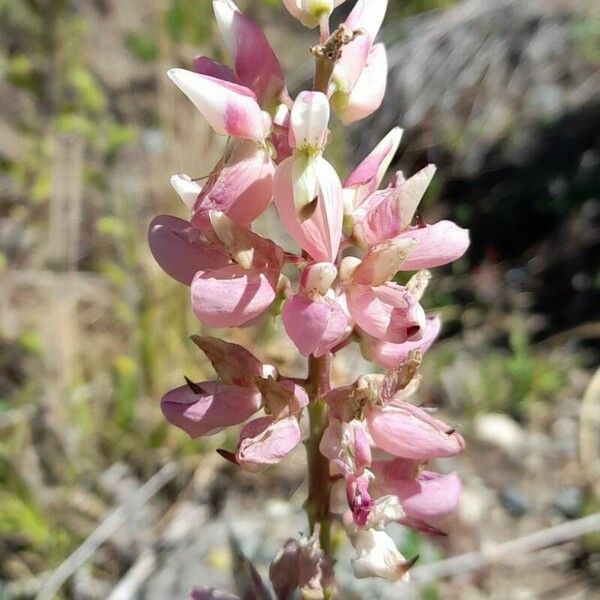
407, 431
427, 498
369, 173
383, 309
209, 407
240, 186
182, 250
347, 446
239, 292
265, 441
313, 319
389, 355
367, 94
359, 77
229, 108
308, 192
254, 62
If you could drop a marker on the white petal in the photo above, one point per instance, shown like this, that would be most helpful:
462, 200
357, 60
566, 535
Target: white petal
187, 189
377, 556
309, 120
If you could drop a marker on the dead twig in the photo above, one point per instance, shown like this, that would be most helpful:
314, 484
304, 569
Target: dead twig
501, 553
589, 433
110, 524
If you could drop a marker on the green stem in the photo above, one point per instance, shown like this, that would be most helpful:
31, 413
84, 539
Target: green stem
319, 484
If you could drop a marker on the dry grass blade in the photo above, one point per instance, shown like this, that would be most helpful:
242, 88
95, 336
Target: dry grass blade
106, 528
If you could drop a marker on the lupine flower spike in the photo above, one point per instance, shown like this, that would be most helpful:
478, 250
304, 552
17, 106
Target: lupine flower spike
354, 236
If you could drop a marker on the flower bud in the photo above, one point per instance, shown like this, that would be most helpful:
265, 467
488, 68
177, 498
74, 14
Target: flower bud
310, 12
377, 556
318, 277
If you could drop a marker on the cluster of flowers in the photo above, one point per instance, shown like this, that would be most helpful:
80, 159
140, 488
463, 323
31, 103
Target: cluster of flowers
377, 441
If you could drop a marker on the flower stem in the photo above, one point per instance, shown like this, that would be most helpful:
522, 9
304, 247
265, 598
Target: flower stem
323, 71
319, 485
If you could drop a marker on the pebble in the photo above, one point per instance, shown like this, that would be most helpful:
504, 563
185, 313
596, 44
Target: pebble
513, 501
569, 501
500, 430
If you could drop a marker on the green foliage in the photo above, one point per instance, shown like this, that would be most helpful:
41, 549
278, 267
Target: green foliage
143, 46
188, 20
501, 380
585, 37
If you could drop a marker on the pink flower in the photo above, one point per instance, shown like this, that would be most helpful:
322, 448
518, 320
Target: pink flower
359, 77
239, 292
208, 407
389, 355
387, 214
368, 175
384, 214
229, 108
383, 309
182, 250
347, 446
255, 63
368, 92
241, 186
265, 441
408, 431
308, 192
426, 497
312, 318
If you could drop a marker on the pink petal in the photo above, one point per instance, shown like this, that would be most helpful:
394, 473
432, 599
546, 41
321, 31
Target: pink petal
389, 356
230, 296
265, 442
319, 234
280, 134
382, 261
241, 188
386, 213
367, 94
387, 312
314, 326
437, 244
207, 66
429, 496
255, 63
216, 407
347, 446
181, 250
410, 432
230, 109
367, 176
338, 400
367, 15
248, 249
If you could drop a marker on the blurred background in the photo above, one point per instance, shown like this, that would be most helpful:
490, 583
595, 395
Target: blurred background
502, 95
